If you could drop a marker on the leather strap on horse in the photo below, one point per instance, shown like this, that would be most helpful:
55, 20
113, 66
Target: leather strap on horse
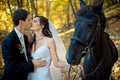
79, 73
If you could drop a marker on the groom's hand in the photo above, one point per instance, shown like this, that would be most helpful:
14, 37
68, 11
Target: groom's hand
39, 63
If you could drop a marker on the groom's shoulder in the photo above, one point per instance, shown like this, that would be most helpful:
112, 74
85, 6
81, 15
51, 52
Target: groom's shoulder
8, 37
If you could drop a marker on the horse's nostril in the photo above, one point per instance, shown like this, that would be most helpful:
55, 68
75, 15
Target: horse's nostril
70, 61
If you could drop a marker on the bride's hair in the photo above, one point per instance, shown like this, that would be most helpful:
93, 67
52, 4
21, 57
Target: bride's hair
44, 21
46, 32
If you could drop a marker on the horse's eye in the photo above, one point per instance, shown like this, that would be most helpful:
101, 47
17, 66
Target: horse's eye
89, 25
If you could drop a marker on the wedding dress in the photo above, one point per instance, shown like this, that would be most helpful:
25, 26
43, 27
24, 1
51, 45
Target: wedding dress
41, 73
49, 72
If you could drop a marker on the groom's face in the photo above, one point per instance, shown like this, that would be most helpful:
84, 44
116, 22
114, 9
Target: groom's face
27, 23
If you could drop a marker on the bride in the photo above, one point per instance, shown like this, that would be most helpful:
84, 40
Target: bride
43, 46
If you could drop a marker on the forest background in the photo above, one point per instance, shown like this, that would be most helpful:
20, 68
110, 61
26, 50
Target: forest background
62, 14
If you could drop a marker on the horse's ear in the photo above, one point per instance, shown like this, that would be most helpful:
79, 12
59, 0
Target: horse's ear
98, 7
82, 3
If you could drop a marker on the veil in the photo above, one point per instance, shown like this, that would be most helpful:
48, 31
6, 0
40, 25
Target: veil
56, 72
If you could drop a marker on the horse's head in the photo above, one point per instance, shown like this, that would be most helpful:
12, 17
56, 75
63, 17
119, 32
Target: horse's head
90, 21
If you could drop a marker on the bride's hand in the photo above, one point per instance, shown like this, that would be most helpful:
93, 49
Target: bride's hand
39, 63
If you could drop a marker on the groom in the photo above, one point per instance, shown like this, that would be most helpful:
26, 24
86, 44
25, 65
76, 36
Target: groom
14, 49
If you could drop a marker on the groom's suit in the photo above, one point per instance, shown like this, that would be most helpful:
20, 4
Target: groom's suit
16, 66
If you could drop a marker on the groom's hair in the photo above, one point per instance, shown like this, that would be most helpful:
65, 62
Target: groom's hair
19, 14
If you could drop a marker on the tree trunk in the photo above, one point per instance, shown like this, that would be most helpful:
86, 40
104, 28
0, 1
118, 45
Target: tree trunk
76, 8
72, 8
28, 5
8, 2
47, 8
34, 10
68, 17
19, 2
36, 5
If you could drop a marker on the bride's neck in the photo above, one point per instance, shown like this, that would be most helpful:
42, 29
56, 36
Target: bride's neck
39, 34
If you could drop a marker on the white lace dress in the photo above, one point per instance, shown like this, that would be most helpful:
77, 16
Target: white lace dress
41, 73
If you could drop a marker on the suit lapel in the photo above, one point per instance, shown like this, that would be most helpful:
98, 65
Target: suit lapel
15, 36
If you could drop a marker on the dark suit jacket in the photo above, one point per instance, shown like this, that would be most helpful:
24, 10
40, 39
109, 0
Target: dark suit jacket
16, 66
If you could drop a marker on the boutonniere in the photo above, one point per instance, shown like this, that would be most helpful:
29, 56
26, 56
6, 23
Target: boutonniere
21, 48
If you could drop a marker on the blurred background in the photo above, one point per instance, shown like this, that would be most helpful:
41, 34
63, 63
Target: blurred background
62, 15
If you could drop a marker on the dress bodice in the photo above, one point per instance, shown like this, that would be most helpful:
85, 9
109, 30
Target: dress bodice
42, 53
41, 73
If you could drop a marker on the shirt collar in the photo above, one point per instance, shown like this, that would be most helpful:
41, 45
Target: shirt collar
19, 34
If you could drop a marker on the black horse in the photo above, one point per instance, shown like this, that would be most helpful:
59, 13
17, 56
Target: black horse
90, 46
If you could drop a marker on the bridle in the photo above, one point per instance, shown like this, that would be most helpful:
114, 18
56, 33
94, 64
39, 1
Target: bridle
86, 50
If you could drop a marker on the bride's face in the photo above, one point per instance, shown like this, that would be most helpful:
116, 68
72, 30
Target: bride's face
36, 24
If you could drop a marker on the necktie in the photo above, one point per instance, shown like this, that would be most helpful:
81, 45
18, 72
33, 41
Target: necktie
23, 43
